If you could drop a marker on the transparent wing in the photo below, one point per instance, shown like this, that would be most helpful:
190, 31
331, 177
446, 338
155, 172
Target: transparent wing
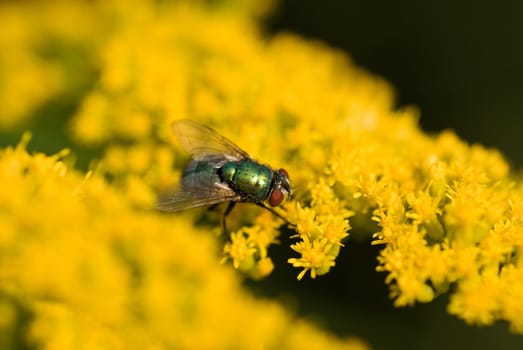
186, 198
201, 141
200, 185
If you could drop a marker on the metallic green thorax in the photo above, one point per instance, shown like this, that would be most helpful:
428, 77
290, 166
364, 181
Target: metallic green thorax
248, 177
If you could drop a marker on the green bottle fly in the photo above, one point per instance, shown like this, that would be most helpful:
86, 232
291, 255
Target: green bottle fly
220, 171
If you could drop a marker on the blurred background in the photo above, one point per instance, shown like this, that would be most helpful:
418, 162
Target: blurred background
460, 62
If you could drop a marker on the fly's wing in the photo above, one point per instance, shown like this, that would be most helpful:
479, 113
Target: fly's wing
200, 186
201, 141
186, 198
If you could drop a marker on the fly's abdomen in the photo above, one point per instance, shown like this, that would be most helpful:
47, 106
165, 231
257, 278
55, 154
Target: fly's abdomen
248, 177
200, 174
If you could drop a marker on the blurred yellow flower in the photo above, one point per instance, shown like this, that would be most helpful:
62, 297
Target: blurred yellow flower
94, 272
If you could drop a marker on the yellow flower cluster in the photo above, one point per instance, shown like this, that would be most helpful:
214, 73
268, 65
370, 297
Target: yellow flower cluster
94, 272
321, 228
248, 247
45, 54
449, 215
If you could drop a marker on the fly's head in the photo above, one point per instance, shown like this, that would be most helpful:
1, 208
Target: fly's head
281, 189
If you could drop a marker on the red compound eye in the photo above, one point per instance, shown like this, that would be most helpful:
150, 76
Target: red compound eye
284, 172
276, 197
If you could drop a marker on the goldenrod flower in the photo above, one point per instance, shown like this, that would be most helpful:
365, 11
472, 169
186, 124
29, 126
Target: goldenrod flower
94, 272
90, 258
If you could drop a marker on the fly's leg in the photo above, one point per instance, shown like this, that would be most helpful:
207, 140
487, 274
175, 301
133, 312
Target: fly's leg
260, 204
225, 213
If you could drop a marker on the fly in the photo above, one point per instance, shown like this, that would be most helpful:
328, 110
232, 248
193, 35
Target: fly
219, 171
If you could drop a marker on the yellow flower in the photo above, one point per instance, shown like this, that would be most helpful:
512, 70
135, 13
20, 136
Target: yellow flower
35, 67
93, 270
240, 250
248, 247
477, 299
316, 257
